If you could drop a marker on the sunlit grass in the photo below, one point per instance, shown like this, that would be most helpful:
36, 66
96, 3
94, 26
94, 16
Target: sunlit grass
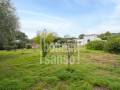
22, 69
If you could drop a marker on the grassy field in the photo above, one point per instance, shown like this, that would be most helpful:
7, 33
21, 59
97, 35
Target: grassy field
21, 70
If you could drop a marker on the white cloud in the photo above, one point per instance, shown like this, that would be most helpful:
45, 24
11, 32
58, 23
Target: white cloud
56, 24
38, 21
111, 22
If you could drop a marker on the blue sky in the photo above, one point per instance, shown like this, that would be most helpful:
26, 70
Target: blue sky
71, 17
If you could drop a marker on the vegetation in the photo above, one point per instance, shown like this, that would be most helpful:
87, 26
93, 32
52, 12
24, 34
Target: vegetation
8, 24
22, 70
9, 27
110, 43
81, 36
45, 38
23, 40
108, 35
96, 45
105, 36
70, 51
113, 45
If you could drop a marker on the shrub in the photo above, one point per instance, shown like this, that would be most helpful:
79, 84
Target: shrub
28, 46
64, 75
8, 47
96, 45
113, 45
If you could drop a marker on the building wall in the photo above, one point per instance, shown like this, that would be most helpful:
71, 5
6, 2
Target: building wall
89, 38
86, 39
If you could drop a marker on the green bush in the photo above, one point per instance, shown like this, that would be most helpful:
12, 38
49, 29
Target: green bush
64, 75
8, 47
96, 45
28, 46
113, 45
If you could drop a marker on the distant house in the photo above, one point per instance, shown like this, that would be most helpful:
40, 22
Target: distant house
86, 39
79, 42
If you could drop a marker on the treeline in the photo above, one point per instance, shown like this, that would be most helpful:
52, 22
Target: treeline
10, 36
109, 42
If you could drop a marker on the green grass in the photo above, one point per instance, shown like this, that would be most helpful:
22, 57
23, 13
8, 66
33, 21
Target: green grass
21, 70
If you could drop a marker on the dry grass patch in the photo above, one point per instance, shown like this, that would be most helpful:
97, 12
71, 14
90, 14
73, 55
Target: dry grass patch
104, 59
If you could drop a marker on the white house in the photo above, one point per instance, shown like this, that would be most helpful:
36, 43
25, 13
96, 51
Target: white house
86, 39
81, 42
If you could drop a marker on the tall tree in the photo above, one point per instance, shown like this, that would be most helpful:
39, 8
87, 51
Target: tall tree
8, 24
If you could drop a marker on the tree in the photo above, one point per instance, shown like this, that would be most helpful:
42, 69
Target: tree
105, 36
70, 51
81, 36
70, 43
45, 38
22, 38
8, 24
